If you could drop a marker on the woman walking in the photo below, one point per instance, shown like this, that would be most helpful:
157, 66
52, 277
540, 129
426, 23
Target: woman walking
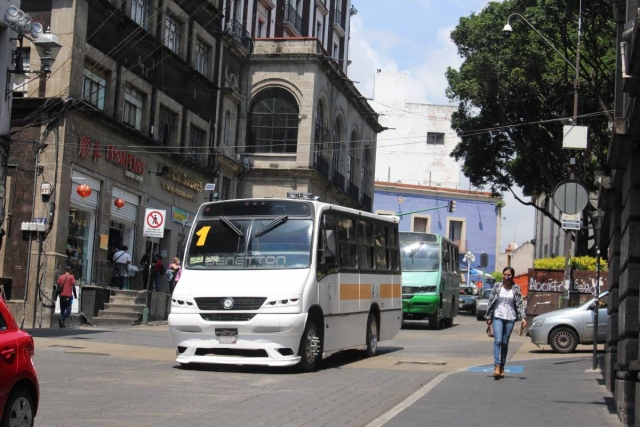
173, 274
504, 309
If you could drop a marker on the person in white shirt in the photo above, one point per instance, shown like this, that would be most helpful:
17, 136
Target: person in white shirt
505, 307
121, 260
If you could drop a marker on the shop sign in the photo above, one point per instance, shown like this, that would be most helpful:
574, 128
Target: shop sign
93, 150
181, 216
179, 192
154, 220
184, 179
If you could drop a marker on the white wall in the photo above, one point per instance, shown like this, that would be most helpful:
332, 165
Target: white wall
6, 51
403, 154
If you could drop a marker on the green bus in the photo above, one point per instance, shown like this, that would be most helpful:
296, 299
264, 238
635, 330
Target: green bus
430, 278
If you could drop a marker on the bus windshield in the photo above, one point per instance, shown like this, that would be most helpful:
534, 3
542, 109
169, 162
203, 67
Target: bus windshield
420, 256
236, 244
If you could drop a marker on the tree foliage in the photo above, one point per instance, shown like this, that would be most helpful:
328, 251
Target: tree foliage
578, 263
513, 93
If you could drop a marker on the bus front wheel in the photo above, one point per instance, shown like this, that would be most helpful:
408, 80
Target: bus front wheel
435, 319
372, 336
309, 347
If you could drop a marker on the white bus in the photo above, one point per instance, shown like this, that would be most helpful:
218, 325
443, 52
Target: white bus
280, 282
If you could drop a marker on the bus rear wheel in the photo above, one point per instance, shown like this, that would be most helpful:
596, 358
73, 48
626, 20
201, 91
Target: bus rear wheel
372, 336
309, 350
435, 320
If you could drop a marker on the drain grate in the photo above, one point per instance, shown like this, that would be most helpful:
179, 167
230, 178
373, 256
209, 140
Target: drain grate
407, 362
64, 346
87, 353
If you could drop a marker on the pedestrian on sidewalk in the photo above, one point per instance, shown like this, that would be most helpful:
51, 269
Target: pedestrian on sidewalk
67, 291
173, 274
159, 271
504, 309
145, 265
121, 261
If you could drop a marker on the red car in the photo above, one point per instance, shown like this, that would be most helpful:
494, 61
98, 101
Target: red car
19, 389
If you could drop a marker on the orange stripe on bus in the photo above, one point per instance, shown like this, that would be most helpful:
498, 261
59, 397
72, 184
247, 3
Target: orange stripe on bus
386, 291
349, 291
365, 291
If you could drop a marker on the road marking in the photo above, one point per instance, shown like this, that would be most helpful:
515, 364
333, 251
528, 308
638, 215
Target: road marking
387, 416
515, 369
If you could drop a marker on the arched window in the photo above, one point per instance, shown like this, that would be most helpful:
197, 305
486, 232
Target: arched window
319, 132
337, 136
226, 129
352, 156
364, 178
273, 123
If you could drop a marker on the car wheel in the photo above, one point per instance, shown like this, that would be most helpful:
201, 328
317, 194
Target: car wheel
19, 409
372, 336
435, 319
309, 350
563, 340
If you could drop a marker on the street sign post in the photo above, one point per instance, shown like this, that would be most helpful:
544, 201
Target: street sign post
154, 220
571, 222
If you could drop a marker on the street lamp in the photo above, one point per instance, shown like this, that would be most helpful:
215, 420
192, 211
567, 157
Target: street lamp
47, 45
469, 258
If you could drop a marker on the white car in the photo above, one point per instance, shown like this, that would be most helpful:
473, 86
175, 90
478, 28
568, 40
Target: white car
564, 329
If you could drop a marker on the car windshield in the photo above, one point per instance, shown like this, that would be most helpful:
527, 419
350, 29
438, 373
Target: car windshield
486, 294
420, 256
235, 244
466, 291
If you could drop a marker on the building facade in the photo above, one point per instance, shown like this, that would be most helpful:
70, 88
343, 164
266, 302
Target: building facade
619, 197
415, 148
149, 101
474, 225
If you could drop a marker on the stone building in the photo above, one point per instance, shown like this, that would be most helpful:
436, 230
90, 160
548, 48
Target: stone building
288, 113
619, 197
149, 101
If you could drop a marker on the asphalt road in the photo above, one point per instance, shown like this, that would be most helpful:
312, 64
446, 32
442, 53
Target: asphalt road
110, 377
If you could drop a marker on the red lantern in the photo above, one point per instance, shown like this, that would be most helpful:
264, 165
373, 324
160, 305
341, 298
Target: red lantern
119, 203
83, 191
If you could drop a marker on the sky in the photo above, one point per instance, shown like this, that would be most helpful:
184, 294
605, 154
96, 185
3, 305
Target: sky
412, 37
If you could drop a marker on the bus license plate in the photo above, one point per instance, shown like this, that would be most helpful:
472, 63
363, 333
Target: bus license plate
227, 336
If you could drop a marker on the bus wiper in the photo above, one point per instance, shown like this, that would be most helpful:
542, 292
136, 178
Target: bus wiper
273, 224
415, 251
233, 228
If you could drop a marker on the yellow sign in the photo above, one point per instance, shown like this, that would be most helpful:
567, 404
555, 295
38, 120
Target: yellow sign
184, 179
179, 192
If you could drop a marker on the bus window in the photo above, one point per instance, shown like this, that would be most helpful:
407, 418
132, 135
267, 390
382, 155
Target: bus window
218, 245
365, 245
382, 248
328, 243
395, 254
347, 243
286, 246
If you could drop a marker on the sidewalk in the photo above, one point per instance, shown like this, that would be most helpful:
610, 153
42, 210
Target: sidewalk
560, 392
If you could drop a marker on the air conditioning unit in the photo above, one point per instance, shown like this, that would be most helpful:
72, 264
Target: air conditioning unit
245, 162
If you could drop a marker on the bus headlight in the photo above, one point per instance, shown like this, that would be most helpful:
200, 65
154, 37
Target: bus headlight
423, 289
184, 302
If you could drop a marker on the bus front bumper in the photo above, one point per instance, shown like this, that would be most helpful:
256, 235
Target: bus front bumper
266, 339
420, 304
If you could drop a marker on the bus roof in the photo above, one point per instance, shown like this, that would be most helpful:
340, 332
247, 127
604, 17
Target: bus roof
320, 206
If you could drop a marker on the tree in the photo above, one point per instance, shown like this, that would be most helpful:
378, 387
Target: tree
515, 94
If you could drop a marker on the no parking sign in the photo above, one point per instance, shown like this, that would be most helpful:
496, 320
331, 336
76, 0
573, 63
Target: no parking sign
154, 220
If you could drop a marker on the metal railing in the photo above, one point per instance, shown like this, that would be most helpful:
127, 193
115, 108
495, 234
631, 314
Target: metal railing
239, 33
366, 203
337, 18
354, 192
291, 16
338, 180
322, 166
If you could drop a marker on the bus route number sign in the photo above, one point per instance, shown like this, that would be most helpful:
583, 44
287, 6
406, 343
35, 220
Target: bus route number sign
154, 220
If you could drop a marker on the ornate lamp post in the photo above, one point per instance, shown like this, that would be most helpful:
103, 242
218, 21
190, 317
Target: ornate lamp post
469, 258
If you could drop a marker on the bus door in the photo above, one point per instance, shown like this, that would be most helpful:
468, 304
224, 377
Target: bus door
327, 271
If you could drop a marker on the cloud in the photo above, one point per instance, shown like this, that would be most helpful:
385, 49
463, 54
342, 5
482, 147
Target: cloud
372, 50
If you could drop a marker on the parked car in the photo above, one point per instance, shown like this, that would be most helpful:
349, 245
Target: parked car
467, 301
19, 389
482, 304
564, 329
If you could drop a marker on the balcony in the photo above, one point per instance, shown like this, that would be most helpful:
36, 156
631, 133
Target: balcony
338, 180
338, 22
367, 203
293, 21
354, 192
322, 166
239, 33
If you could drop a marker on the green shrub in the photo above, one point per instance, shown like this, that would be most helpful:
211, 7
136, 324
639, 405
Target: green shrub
578, 263
497, 275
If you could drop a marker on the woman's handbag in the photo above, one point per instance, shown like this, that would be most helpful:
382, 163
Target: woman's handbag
490, 331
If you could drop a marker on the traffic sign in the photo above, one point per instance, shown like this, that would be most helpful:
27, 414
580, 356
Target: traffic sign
570, 197
154, 220
571, 222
